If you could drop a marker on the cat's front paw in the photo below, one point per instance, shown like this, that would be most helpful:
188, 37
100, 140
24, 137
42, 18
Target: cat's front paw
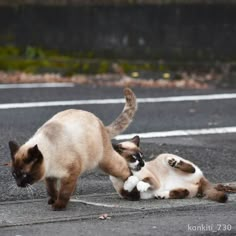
130, 183
143, 186
51, 201
59, 205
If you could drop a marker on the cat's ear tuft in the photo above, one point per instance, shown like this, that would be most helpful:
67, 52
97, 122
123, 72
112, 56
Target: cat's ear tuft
34, 155
14, 147
136, 140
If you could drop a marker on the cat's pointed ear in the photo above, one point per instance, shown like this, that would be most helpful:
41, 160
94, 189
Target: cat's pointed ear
136, 140
34, 155
13, 148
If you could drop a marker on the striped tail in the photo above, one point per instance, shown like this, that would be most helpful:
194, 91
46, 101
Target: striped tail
122, 122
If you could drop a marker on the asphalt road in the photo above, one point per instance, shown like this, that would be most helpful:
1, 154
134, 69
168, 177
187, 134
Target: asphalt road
26, 213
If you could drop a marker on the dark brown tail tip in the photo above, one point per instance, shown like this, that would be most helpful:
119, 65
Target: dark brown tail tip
222, 197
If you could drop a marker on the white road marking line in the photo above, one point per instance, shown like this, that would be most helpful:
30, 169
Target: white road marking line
60, 103
102, 202
36, 85
189, 98
94, 203
117, 101
173, 133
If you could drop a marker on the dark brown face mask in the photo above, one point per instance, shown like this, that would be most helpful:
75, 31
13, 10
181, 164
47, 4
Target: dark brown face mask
139, 157
33, 159
22, 179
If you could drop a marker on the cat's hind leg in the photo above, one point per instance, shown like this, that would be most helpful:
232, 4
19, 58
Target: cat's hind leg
209, 191
225, 188
179, 193
181, 165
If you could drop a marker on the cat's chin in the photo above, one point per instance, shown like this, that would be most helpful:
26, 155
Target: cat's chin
24, 185
138, 168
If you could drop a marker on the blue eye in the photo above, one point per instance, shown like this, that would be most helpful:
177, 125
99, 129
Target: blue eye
19, 175
137, 155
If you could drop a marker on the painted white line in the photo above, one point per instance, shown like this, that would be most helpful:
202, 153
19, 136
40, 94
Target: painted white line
60, 103
118, 101
94, 203
173, 133
189, 98
36, 85
101, 201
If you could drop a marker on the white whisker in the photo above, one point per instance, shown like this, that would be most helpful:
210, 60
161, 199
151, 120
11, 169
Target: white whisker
11, 186
27, 191
20, 191
12, 189
15, 191
29, 187
32, 187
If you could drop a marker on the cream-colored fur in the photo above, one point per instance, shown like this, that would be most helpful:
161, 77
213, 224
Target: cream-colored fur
72, 142
166, 176
80, 136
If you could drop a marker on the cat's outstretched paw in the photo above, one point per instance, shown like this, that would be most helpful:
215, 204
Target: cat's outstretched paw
143, 186
58, 206
130, 183
172, 162
51, 201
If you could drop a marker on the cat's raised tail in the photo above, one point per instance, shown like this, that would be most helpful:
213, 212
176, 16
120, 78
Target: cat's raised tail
121, 123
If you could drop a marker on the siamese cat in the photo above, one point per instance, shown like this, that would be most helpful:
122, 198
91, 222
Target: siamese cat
67, 145
166, 177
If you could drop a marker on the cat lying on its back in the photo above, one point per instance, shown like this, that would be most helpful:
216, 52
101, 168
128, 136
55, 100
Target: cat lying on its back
167, 176
67, 145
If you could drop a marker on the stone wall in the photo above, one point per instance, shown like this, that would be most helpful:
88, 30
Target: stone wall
163, 31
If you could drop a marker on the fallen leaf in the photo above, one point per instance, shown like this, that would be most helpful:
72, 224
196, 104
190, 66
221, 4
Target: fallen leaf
104, 217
